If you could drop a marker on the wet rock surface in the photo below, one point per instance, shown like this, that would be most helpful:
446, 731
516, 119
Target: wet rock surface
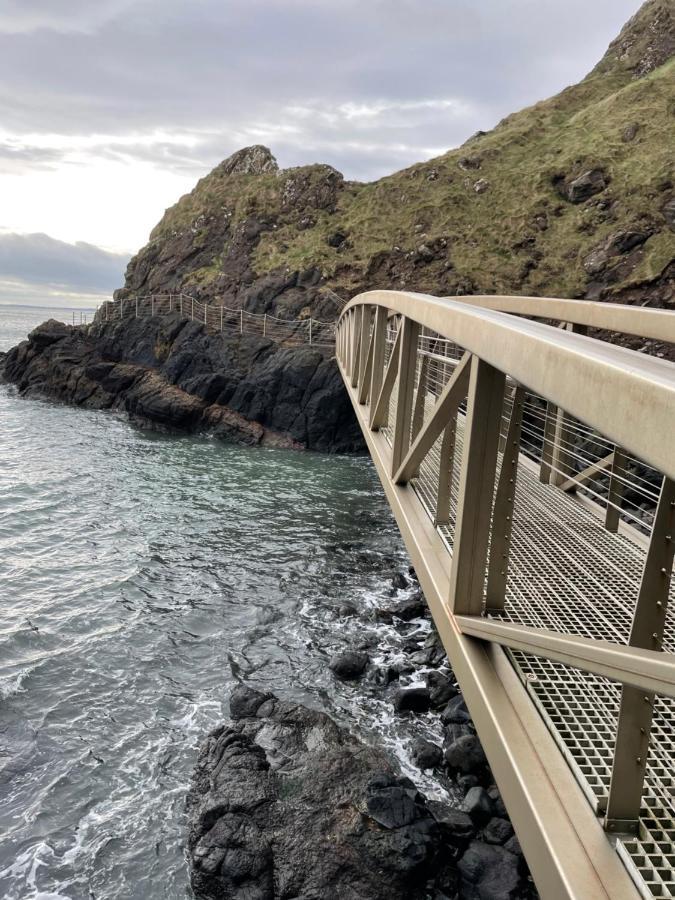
169, 374
286, 802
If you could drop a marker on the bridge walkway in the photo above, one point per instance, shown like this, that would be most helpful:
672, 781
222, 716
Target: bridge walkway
576, 545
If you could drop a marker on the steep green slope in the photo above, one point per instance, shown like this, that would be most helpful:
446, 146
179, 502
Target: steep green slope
574, 197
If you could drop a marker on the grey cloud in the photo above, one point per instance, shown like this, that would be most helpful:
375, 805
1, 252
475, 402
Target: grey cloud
39, 260
20, 158
227, 71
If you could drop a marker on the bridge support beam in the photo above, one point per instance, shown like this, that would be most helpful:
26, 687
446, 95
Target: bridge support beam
380, 406
616, 487
377, 368
406, 388
366, 355
502, 516
364, 346
445, 409
356, 345
477, 478
566, 849
637, 706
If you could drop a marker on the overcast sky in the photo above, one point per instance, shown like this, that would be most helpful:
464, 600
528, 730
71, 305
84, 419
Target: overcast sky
111, 109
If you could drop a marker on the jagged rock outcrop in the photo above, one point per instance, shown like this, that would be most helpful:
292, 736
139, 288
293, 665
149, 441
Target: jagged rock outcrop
519, 209
284, 803
170, 374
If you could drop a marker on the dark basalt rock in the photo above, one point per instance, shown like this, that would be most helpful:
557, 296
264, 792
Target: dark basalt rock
170, 374
456, 712
477, 804
414, 699
489, 873
290, 805
349, 665
410, 608
426, 754
245, 701
498, 831
583, 186
441, 689
466, 755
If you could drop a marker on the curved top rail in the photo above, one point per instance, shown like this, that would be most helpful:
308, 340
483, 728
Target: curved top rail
658, 324
625, 395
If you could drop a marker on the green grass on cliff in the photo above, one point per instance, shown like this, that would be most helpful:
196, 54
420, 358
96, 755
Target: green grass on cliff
519, 235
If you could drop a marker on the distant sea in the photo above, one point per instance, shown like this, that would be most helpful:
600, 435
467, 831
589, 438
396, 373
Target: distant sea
140, 577
16, 321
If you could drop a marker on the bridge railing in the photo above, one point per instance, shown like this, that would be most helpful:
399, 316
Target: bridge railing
532, 474
223, 319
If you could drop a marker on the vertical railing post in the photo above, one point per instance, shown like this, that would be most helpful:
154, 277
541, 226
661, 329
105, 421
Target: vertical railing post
222, 309
356, 346
136, 306
121, 309
474, 504
181, 305
192, 313
206, 318
170, 302
377, 368
152, 305
265, 325
502, 516
637, 706
617, 475
562, 458
445, 469
364, 341
406, 391
310, 331
548, 439
420, 396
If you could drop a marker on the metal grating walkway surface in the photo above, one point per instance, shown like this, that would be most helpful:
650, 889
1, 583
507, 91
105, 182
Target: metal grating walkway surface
547, 566
568, 574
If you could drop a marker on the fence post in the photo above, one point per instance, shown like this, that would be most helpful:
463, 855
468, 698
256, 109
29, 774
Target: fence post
136, 306
170, 302
192, 314
181, 305
206, 309
616, 488
406, 391
265, 325
121, 308
504, 503
152, 305
476, 484
637, 706
241, 321
310, 331
221, 318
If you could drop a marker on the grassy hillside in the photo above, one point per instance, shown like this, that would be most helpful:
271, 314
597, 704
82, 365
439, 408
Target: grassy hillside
572, 197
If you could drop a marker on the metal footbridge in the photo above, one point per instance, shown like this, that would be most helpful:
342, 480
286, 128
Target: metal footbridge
531, 471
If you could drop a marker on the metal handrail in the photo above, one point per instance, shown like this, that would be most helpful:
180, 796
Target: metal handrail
454, 399
646, 322
573, 371
220, 318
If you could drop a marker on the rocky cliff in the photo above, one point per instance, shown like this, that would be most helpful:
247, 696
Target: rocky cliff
170, 374
573, 197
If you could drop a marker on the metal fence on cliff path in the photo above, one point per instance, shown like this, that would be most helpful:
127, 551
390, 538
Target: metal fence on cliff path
223, 319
